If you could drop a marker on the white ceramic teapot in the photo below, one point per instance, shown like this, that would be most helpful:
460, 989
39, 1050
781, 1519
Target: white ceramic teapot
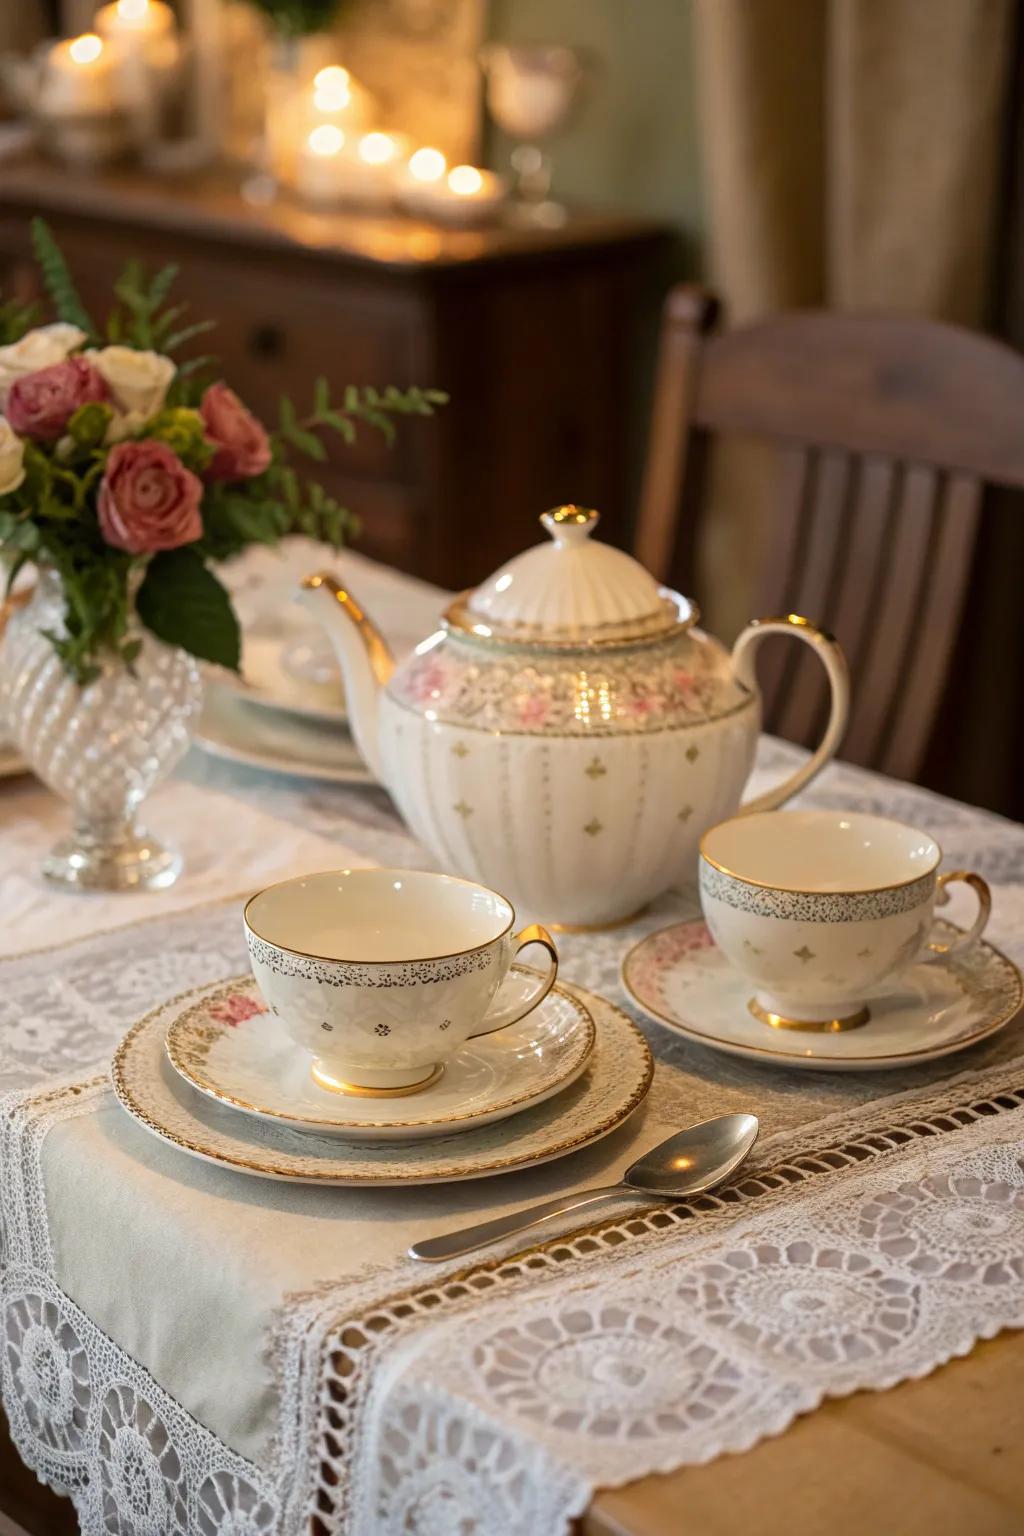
568, 734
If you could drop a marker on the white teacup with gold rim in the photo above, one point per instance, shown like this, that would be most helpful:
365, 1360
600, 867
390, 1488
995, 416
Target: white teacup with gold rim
380, 974
821, 908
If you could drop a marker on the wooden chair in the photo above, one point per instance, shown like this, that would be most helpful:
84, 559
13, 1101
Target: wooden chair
888, 429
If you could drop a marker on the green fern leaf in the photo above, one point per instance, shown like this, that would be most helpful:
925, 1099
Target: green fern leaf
57, 279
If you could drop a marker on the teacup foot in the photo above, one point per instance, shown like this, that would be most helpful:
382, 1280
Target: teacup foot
828, 1026
392, 1090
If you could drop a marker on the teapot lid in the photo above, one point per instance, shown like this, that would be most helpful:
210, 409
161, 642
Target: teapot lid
573, 591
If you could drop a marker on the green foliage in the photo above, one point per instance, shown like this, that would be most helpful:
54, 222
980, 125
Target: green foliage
142, 317
297, 18
95, 582
182, 429
18, 535
15, 319
182, 603
191, 380
57, 279
374, 407
88, 426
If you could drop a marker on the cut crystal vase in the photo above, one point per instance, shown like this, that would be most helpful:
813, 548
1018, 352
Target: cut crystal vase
101, 747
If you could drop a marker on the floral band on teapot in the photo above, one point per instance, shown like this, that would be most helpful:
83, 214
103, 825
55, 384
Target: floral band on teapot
569, 696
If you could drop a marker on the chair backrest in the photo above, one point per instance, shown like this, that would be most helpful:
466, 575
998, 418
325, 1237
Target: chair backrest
887, 429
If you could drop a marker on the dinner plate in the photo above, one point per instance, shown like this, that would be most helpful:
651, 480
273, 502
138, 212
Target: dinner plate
230, 727
267, 681
223, 1047
679, 977
615, 1082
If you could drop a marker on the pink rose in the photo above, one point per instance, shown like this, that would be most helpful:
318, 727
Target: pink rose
243, 448
148, 500
41, 404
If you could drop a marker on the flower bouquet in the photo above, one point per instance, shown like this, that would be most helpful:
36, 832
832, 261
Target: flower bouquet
126, 474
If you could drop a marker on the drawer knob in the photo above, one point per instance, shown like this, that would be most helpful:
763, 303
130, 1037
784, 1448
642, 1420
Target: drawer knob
266, 341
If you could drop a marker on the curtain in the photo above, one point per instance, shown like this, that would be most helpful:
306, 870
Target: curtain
851, 153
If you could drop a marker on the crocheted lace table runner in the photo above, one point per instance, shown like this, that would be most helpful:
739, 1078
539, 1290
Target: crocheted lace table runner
188, 1351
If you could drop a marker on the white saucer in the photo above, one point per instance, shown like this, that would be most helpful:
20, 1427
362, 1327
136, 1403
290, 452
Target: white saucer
680, 978
267, 681
613, 1085
231, 727
222, 1046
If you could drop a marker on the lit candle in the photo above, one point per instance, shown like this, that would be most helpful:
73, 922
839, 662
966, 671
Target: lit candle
463, 195
334, 168
142, 37
336, 98
320, 169
427, 166
332, 89
145, 25
77, 78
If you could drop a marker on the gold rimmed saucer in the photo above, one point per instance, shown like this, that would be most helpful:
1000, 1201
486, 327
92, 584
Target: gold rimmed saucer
222, 1046
614, 1085
680, 978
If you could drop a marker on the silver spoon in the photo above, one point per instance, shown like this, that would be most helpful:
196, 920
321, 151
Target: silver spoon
688, 1163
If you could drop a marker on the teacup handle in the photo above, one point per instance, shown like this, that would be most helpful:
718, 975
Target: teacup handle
829, 652
981, 889
535, 933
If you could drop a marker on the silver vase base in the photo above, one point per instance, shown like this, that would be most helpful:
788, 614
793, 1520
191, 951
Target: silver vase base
127, 860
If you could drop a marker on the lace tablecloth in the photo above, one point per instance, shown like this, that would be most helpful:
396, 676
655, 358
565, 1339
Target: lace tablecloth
190, 1351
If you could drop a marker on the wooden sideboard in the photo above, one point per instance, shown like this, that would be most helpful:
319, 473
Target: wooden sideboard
537, 335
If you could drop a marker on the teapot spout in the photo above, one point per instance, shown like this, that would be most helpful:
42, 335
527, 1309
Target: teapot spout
363, 654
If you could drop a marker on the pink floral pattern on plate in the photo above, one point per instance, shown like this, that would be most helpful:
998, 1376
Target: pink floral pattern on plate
236, 1008
648, 966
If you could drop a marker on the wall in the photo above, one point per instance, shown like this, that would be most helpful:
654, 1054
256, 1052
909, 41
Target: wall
633, 143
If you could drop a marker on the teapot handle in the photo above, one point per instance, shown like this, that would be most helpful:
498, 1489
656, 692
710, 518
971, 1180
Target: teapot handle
828, 650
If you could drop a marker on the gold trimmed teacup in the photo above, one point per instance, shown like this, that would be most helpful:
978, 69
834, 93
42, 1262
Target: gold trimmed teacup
381, 974
821, 908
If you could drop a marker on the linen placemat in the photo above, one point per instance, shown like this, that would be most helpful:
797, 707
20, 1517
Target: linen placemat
305, 1316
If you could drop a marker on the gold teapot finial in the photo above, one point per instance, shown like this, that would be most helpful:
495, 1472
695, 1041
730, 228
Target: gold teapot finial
570, 524
572, 514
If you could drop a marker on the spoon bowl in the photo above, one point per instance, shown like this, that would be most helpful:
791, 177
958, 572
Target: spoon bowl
695, 1159
688, 1163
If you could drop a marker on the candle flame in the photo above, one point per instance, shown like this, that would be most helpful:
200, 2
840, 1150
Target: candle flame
377, 148
465, 180
427, 165
132, 10
331, 87
326, 140
86, 49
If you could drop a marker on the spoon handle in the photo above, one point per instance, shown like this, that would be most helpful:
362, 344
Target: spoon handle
433, 1249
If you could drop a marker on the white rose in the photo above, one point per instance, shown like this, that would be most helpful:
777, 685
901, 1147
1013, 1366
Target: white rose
12, 453
41, 348
138, 381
